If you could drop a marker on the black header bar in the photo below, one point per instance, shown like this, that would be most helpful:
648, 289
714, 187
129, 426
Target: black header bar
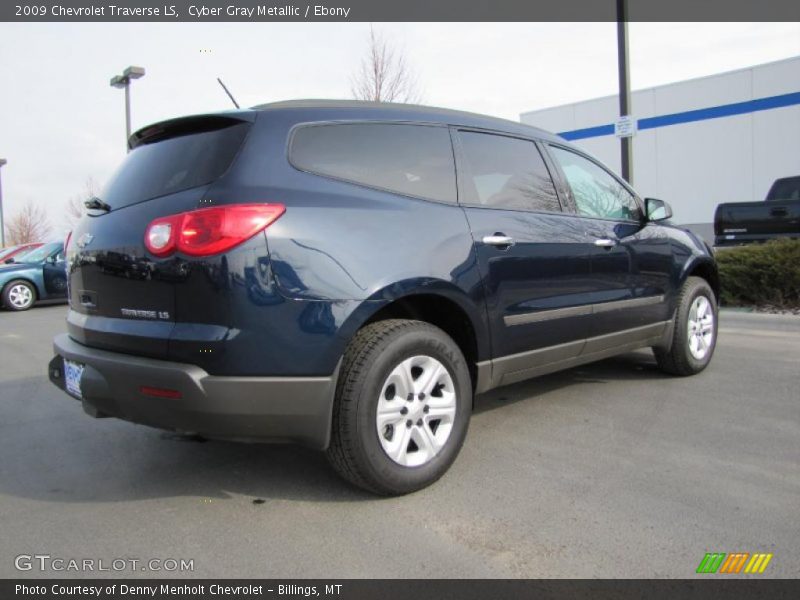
404, 589
394, 10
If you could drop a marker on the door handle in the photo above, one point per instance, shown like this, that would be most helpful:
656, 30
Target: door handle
498, 239
605, 243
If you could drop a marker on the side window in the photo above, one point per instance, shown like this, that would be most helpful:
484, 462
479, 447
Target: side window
414, 160
597, 193
505, 172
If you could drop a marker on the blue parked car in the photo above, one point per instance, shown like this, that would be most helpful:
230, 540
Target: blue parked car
40, 274
347, 275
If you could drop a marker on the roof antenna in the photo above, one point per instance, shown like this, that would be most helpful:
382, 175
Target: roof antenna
235, 103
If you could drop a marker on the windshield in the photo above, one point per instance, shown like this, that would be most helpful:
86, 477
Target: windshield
6, 251
39, 254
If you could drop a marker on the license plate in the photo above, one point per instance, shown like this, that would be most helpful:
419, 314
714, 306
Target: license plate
72, 376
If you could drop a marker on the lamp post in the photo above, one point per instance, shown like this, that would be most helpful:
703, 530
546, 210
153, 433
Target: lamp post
626, 143
124, 81
3, 162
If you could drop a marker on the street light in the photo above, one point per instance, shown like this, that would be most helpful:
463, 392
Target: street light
3, 162
626, 142
124, 81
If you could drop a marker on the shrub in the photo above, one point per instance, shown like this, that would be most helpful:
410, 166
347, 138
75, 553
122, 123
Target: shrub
761, 274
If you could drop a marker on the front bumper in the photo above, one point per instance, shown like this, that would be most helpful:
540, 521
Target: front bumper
268, 409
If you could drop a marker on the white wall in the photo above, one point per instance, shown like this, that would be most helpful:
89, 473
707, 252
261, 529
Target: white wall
695, 166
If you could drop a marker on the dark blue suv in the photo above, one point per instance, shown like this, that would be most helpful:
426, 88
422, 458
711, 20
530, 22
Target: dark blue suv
348, 275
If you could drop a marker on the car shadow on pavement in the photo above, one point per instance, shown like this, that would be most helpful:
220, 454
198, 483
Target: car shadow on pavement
639, 366
53, 452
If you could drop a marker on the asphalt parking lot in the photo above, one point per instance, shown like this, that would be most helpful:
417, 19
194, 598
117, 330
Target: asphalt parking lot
608, 470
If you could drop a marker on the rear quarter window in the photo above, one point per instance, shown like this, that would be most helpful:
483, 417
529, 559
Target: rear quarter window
413, 160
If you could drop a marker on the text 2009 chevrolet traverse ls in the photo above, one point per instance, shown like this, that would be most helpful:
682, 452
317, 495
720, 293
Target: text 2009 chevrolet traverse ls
347, 275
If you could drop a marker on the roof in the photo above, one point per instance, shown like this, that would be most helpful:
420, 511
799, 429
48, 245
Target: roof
390, 110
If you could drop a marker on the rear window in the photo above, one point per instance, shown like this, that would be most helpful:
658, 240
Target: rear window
785, 189
174, 157
413, 160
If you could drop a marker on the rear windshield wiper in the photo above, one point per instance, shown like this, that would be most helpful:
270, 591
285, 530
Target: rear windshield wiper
94, 203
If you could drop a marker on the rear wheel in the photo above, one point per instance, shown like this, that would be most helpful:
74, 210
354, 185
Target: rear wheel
19, 295
695, 330
402, 407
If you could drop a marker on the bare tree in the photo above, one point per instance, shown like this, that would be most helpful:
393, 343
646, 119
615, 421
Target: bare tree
384, 75
75, 208
28, 225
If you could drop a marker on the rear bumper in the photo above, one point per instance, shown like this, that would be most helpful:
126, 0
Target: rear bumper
278, 409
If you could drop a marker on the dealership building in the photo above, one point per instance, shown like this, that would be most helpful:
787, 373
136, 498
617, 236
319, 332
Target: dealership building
700, 142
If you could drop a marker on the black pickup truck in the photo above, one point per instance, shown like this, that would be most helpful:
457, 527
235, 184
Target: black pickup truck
777, 216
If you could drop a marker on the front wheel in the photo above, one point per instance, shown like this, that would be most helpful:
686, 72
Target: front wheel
402, 407
694, 335
19, 295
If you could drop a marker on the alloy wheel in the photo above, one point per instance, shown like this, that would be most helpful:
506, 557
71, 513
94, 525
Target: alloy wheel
20, 296
700, 327
416, 411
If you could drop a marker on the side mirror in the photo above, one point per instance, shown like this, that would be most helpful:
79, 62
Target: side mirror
657, 210
51, 260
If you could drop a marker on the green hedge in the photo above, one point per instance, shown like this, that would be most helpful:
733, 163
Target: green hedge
761, 274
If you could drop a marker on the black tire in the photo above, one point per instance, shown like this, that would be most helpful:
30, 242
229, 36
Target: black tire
9, 293
678, 359
355, 450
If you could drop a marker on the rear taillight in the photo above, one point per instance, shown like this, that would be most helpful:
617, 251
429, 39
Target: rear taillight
208, 231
